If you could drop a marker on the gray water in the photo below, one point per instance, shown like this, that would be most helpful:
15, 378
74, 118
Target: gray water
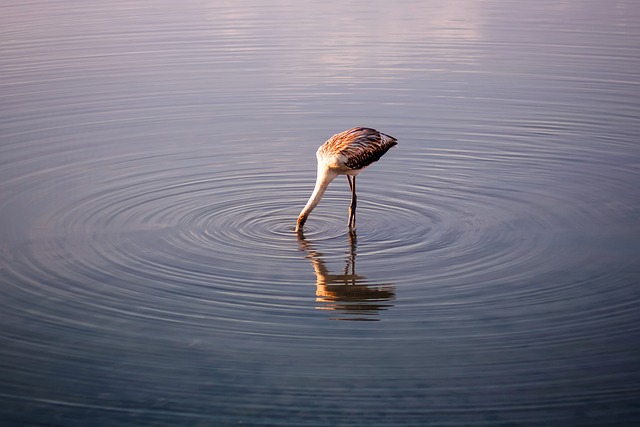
154, 156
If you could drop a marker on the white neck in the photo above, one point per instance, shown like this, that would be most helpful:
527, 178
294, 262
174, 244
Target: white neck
323, 179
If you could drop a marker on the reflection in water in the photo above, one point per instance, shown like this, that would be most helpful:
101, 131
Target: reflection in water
347, 293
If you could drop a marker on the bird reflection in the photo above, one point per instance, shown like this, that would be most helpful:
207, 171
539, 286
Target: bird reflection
347, 293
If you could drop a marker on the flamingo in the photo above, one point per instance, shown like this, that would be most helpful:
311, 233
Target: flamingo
346, 153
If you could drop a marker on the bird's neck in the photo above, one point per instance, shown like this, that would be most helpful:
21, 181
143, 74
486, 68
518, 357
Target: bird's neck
323, 179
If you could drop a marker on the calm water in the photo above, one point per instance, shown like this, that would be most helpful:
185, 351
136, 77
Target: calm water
155, 154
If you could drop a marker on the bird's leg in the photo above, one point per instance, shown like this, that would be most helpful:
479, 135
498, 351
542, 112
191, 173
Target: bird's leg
352, 207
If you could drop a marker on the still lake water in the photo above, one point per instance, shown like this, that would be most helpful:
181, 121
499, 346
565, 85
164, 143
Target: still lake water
154, 157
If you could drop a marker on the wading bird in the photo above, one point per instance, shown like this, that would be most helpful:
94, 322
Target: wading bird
346, 153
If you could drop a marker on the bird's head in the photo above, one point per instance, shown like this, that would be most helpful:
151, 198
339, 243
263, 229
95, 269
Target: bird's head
301, 220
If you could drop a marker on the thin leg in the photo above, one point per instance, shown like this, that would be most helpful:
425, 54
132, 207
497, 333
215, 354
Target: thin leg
351, 188
354, 200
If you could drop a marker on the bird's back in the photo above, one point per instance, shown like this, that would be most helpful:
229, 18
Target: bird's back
356, 148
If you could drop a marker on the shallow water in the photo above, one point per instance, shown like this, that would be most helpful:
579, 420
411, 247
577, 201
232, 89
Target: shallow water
154, 156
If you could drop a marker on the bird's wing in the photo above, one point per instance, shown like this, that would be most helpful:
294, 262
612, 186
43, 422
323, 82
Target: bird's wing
358, 146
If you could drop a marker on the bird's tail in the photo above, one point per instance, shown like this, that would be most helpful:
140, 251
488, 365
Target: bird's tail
387, 140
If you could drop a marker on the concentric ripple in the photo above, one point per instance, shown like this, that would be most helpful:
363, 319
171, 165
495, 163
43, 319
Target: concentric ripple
233, 229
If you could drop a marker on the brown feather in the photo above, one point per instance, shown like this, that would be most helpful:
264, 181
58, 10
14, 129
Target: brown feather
359, 146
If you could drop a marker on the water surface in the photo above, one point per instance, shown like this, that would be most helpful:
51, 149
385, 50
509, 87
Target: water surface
154, 156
